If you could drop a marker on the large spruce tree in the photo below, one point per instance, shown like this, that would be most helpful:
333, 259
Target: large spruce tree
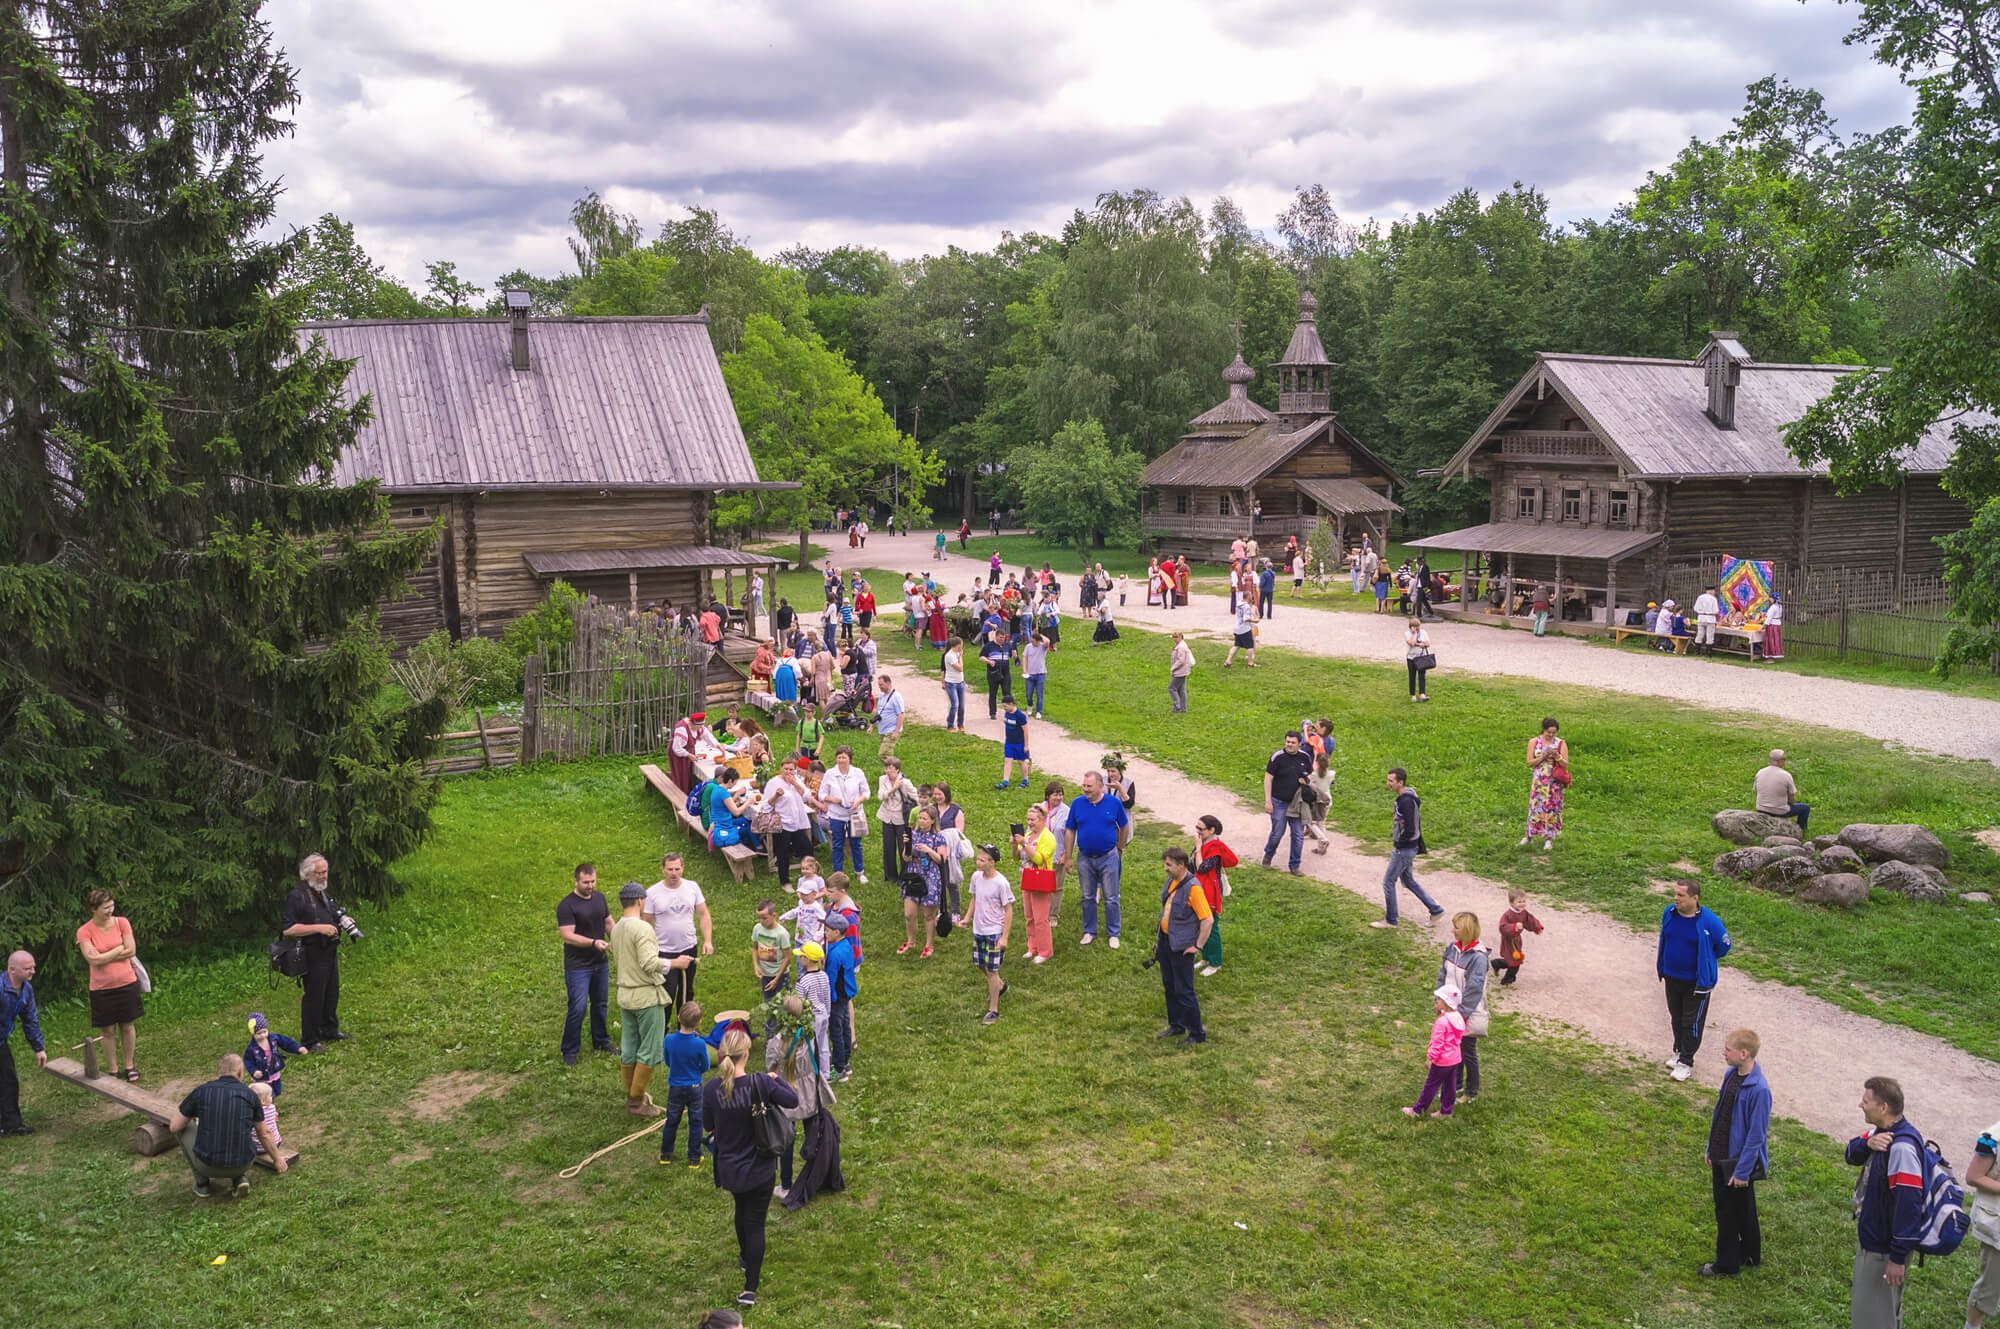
190, 666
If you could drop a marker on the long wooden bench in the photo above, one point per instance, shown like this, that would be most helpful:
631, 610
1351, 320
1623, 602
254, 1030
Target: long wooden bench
742, 859
1618, 636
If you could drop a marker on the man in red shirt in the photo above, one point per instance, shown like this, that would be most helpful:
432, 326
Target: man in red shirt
711, 625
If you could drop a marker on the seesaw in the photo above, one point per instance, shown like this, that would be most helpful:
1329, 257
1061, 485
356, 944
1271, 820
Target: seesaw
150, 1138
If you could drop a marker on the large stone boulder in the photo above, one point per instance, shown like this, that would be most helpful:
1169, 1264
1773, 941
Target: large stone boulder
1748, 828
1782, 841
1785, 875
1839, 858
1822, 841
1843, 890
1902, 843
1910, 882
1740, 863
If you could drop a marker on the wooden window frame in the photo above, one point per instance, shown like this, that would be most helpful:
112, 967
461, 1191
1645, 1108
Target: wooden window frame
1613, 516
1563, 494
1527, 502
1180, 503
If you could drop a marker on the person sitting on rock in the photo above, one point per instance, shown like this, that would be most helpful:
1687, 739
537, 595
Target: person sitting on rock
1778, 793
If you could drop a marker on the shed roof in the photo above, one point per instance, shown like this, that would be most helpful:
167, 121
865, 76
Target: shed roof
555, 563
1653, 416
620, 403
1543, 538
1350, 497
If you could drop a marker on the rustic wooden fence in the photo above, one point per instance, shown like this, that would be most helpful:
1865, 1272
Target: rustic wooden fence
1844, 613
486, 748
617, 690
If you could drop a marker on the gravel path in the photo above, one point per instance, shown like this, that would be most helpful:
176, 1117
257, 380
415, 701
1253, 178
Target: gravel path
1586, 971
1925, 720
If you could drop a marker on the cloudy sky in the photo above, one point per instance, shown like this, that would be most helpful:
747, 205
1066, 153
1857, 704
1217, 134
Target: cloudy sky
461, 130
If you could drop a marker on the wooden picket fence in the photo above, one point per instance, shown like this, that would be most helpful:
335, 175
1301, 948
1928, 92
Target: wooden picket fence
617, 690
485, 748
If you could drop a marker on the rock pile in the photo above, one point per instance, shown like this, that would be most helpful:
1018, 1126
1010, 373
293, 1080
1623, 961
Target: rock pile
1832, 869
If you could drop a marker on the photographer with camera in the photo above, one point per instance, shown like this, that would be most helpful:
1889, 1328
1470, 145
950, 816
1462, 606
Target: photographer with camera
312, 916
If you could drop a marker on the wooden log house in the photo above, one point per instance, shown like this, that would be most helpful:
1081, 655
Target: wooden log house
586, 449
1242, 470
1606, 469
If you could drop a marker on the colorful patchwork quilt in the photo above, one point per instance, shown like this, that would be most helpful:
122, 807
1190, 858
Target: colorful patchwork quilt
1745, 586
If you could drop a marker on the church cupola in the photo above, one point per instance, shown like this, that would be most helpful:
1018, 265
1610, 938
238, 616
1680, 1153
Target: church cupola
1304, 386
1236, 414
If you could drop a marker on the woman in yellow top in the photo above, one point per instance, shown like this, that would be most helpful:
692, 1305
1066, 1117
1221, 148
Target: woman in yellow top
1036, 850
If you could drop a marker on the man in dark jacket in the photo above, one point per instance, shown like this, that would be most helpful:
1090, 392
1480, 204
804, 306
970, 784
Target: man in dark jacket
1406, 842
1889, 1220
311, 915
1185, 920
17, 1005
217, 1124
1692, 941
1738, 1156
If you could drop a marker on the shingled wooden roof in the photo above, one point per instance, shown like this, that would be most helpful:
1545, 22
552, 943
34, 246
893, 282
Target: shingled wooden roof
1652, 415
606, 403
1211, 462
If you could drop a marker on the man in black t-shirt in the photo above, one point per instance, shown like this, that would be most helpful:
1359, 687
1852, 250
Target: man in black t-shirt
582, 920
217, 1124
311, 916
1283, 775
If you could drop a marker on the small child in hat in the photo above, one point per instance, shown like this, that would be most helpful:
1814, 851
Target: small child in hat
264, 1058
1447, 1036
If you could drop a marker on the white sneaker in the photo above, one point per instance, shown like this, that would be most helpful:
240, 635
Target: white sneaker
861, 877
1041, 959
1673, 1060
1087, 939
1207, 970
1381, 923
1113, 943
1682, 1071
1523, 844
1548, 846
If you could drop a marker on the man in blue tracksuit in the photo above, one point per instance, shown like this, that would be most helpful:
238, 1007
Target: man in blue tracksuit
1692, 939
1889, 1220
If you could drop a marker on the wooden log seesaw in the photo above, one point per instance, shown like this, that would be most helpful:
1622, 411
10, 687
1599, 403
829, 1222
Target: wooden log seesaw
150, 1138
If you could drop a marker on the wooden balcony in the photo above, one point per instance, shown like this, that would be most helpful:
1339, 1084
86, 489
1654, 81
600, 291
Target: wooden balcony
1553, 446
1187, 526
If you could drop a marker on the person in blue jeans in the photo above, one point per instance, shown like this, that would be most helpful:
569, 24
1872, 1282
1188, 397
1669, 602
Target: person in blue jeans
1406, 843
1035, 672
1283, 774
582, 922
687, 1062
1094, 841
1267, 589
954, 687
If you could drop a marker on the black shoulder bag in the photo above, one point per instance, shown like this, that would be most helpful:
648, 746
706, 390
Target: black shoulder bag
767, 1124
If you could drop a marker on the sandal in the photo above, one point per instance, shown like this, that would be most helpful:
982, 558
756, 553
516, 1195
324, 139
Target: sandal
926, 954
132, 1075
905, 947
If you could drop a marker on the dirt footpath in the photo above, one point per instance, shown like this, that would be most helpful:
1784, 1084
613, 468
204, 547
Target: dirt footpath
1586, 971
1912, 717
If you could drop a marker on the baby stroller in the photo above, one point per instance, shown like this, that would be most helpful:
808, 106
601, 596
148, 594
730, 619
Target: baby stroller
843, 711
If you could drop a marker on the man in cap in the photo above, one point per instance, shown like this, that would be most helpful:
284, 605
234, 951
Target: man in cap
641, 999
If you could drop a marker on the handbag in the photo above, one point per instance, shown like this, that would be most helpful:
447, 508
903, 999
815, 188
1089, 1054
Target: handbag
145, 979
1427, 660
1042, 881
764, 821
288, 957
767, 1125
1560, 774
1479, 1022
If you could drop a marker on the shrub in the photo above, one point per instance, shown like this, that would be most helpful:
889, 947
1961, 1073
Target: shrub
553, 623
1320, 550
492, 672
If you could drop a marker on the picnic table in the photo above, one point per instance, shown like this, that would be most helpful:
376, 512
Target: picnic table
1619, 634
741, 858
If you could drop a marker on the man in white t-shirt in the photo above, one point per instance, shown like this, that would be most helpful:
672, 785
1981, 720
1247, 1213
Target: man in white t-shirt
1707, 609
674, 908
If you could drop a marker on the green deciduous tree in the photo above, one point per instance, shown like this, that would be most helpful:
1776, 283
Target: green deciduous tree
336, 278
1079, 489
1933, 186
190, 668
1267, 305
808, 417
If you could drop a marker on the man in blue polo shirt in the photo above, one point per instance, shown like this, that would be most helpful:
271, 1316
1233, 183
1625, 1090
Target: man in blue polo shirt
1094, 841
17, 1004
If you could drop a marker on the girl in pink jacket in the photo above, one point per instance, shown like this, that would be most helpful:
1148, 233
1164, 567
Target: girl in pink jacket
1446, 1035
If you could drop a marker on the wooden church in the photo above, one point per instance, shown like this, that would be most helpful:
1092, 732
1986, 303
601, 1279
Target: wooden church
1242, 471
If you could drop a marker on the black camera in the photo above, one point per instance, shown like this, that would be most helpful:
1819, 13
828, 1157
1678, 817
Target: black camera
1149, 961
346, 924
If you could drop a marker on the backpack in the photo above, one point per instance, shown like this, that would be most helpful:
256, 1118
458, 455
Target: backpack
288, 957
1945, 1219
697, 800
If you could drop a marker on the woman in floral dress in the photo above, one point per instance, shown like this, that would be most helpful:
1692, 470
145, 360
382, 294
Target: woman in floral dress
1547, 754
926, 860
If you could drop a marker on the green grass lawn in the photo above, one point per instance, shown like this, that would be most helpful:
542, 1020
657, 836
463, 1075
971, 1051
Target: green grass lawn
1648, 776
1061, 1167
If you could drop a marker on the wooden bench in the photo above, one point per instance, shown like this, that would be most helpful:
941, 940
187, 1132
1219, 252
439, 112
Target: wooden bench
151, 1137
742, 859
1619, 634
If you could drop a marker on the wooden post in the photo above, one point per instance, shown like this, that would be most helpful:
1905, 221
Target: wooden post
1902, 529
1507, 589
531, 708
1610, 592
485, 752
632, 590
1465, 580
1559, 602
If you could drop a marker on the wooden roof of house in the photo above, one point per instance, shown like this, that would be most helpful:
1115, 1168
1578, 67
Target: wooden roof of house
1216, 462
555, 563
1236, 408
1652, 415
606, 403
1350, 497
1505, 537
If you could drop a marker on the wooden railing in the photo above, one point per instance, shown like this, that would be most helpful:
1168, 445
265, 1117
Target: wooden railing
1552, 445
486, 748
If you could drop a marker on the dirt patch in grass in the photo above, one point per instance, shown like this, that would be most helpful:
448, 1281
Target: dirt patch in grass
1658, 887
1990, 838
1682, 865
443, 1095
416, 1154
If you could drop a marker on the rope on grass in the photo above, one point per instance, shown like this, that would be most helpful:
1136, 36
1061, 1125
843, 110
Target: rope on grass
570, 1173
